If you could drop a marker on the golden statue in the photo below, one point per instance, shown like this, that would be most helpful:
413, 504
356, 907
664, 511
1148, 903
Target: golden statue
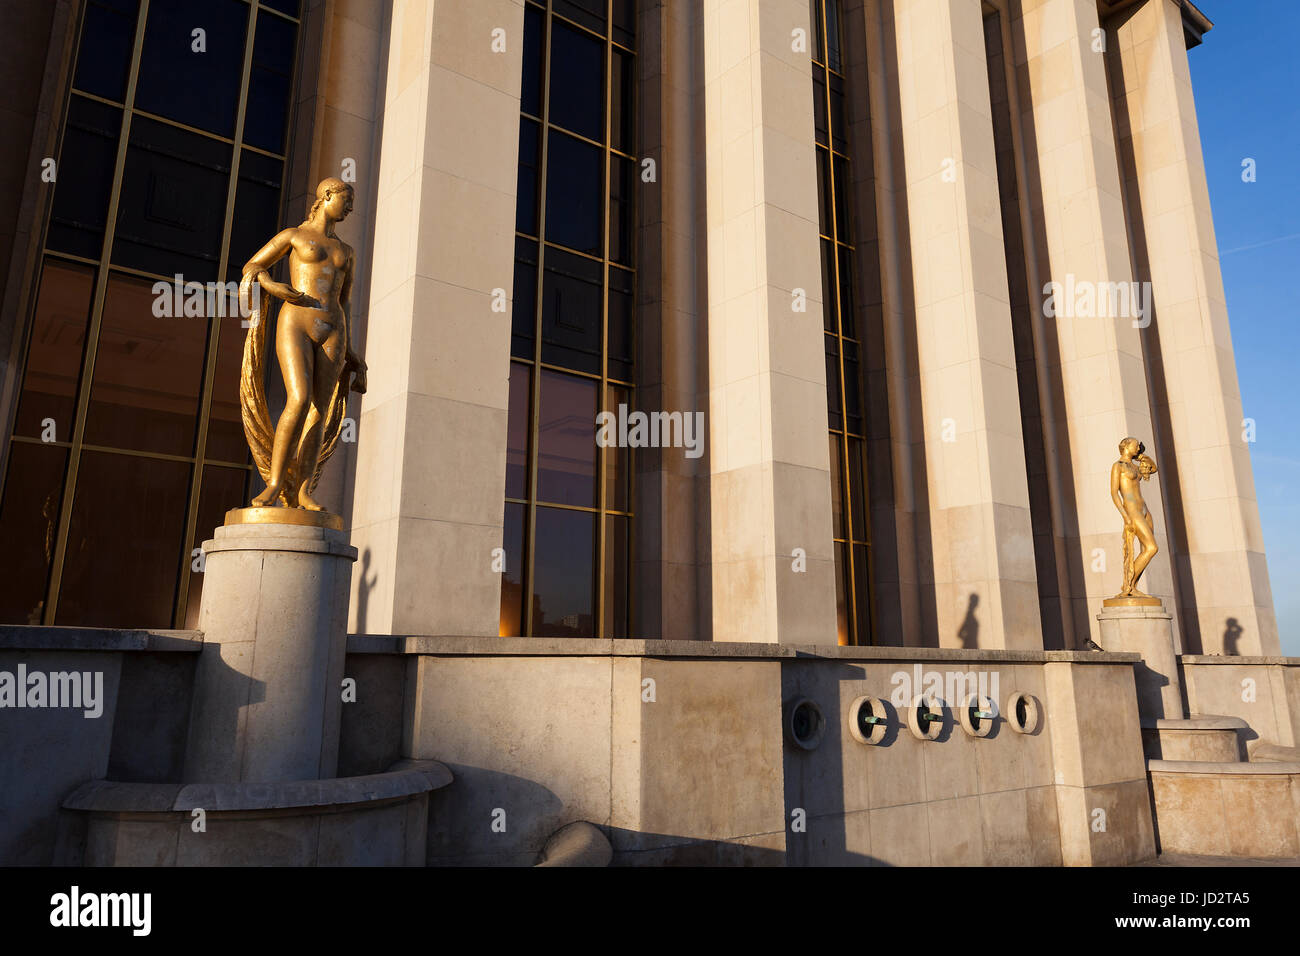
1126, 477
313, 343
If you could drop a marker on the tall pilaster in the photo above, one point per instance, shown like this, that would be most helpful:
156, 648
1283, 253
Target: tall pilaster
980, 539
671, 569
431, 451
769, 462
1226, 602
1094, 341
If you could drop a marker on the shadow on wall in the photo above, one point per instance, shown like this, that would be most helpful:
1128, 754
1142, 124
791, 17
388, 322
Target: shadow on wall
365, 584
216, 715
1231, 636
817, 830
969, 632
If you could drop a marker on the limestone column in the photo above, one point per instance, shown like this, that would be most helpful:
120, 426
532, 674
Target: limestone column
1097, 362
1227, 602
430, 475
768, 450
979, 536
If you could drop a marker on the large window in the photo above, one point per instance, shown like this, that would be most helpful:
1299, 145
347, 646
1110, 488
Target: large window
568, 508
844, 358
128, 446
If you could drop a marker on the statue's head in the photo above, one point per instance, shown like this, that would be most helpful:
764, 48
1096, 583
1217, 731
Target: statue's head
1131, 447
335, 197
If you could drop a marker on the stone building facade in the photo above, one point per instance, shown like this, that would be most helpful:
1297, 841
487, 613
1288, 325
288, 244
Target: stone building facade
916, 265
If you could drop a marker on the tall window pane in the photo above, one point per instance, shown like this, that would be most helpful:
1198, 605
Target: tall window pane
845, 393
148, 373
56, 345
124, 546
194, 79
568, 500
564, 578
29, 515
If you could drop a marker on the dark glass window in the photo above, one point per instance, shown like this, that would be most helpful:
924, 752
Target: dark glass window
512, 576
622, 204
257, 208
575, 188
619, 324
623, 127
524, 314
831, 23
566, 440
571, 291
55, 352
102, 67
194, 79
226, 441
845, 394
85, 178
830, 300
265, 121
625, 22
125, 541
173, 207
129, 444
590, 13
148, 372
530, 98
530, 161
618, 461
521, 384
29, 517
564, 582
618, 560
568, 500
577, 82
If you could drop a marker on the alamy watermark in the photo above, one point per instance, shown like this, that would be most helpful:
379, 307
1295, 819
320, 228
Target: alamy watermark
1084, 299
950, 687
198, 300
78, 690
133, 911
652, 430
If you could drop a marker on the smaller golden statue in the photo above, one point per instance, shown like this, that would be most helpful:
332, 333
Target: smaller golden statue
1126, 477
313, 343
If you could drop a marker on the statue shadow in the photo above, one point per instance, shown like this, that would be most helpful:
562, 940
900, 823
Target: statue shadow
365, 584
1232, 632
969, 632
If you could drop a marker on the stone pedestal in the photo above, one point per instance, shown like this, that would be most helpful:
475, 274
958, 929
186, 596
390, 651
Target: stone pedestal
267, 691
377, 820
1149, 631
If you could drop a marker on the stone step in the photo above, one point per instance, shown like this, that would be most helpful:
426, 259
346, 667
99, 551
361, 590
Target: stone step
1200, 738
1274, 753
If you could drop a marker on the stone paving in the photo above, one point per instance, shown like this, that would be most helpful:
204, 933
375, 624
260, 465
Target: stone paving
1187, 859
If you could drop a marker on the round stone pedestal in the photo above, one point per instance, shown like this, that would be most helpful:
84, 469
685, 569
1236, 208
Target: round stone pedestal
267, 690
1149, 631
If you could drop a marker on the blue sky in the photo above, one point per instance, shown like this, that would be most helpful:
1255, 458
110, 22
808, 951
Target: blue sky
1246, 80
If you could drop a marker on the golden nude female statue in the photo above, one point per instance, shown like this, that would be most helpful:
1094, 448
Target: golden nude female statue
1126, 477
313, 343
